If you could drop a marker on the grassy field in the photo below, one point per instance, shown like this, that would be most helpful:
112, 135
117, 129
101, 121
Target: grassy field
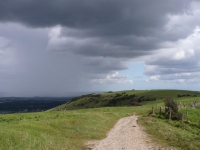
175, 133
70, 129
57, 130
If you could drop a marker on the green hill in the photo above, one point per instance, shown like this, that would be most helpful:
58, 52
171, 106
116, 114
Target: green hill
124, 98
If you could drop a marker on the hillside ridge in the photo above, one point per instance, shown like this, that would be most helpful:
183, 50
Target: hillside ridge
123, 98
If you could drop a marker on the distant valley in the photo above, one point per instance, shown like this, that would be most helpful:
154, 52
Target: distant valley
30, 104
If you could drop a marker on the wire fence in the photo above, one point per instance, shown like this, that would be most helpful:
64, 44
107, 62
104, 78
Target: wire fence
185, 116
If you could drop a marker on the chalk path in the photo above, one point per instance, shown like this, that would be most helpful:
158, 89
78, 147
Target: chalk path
126, 135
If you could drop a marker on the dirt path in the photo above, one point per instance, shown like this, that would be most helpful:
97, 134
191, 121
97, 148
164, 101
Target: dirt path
126, 135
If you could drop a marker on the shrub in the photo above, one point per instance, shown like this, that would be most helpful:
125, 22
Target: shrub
175, 115
135, 104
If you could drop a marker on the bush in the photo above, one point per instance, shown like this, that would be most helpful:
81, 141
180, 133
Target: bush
175, 115
135, 104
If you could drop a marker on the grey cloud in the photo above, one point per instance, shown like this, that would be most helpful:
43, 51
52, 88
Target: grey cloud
186, 76
88, 13
164, 66
36, 72
99, 18
76, 41
179, 63
119, 29
105, 64
159, 70
133, 29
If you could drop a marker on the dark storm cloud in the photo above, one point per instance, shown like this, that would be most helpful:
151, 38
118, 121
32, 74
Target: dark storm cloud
99, 18
118, 47
104, 65
113, 28
89, 13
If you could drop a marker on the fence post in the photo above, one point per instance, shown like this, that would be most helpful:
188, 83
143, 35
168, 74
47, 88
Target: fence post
156, 108
170, 113
187, 115
153, 112
160, 111
182, 118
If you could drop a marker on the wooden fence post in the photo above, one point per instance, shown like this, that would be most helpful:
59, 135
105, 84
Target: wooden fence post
156, 108
153, 112
160, 111
170, 113
182, 118
187, 115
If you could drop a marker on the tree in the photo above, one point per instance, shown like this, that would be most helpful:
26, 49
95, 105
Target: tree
170, 104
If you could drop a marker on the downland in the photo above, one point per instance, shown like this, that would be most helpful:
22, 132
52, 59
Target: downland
90, 117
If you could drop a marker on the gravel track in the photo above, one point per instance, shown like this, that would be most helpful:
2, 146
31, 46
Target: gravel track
125, 135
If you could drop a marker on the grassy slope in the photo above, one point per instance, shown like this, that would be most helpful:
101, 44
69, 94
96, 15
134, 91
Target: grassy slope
57, 130
174, 133
122, 98
70, 129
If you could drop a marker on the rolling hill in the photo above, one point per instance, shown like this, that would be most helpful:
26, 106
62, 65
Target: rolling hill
124, 98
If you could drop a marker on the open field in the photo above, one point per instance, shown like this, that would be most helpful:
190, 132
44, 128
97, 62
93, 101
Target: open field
57, 130
70, 129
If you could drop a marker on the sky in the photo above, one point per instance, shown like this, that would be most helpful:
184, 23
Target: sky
65, 47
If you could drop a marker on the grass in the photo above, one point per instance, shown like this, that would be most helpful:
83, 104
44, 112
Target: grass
175, 133
70, 129
57, 130
193, 115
